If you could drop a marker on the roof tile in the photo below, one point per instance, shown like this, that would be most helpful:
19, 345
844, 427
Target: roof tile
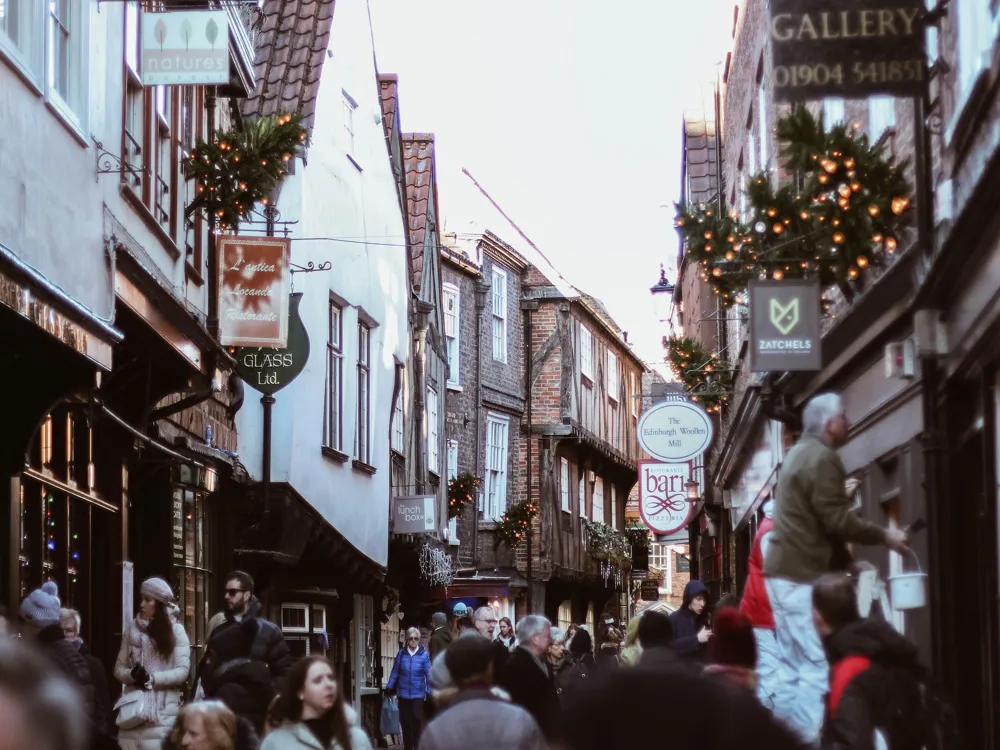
419, 170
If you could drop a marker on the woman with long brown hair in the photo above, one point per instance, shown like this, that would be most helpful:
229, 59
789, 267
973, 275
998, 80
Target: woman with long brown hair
153, 664
313, 713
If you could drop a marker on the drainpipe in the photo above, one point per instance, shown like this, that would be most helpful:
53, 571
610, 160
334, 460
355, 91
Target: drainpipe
420, 391
528, 307
212, 322
482, 293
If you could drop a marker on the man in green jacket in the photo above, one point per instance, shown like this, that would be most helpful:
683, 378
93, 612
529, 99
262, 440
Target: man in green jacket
813, 523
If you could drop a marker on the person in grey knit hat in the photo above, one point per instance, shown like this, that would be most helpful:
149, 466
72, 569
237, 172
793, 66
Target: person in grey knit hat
40, 622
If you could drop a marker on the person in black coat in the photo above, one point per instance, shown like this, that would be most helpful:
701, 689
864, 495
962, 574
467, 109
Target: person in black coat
875, 678
246, 657
690, 623
69, 621
526, 677
440, 635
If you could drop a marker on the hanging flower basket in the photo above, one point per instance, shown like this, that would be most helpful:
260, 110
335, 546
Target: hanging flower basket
637, 535
513, 527
608, 544
461, 492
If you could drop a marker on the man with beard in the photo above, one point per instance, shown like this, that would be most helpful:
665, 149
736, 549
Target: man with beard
246, 657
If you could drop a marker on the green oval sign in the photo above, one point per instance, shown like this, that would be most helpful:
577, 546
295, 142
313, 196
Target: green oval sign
270, 370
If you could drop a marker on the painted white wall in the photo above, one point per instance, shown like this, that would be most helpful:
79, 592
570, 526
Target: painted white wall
331, 197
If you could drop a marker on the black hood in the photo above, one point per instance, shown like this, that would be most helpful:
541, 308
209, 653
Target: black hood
872, 638
693, 589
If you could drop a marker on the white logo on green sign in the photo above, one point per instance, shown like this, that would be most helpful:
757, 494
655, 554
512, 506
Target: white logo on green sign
784, 317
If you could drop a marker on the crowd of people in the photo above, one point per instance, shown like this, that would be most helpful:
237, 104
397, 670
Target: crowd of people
791, 664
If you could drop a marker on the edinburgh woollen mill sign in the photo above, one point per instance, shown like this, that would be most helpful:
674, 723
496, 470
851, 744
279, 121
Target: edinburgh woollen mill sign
851, 49
785, 333
675, 431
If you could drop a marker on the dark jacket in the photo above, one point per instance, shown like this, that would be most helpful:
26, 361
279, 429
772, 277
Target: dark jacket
814, 519
65, 656
478, 718
501, 657
874, 683
530, 687
411, 674
242, 671
608, 656
438, 641
103, 720
687, 624
568, 676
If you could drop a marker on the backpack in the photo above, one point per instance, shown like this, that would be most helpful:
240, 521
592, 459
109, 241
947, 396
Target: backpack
921, 718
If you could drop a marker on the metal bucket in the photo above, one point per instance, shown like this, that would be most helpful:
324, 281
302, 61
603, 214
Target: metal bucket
908, 590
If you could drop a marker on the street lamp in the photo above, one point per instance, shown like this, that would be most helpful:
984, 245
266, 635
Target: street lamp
663, 296
692, 490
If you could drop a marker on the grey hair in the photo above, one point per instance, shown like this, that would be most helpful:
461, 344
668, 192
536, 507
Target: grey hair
818, 413
414, 631
484, 613
66, 614
439, 619
558, 636
530, 626
52, 706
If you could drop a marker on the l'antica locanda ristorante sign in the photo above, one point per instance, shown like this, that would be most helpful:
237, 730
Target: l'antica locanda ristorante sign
254, 280
826, 48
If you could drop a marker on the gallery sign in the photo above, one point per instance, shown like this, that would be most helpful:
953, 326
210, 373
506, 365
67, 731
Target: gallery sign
268, 370
254, 279
663, 499
826, 48
414, 514
785, 333
181, 47
675, 431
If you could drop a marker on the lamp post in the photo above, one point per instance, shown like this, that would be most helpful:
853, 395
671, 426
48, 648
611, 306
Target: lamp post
663, 297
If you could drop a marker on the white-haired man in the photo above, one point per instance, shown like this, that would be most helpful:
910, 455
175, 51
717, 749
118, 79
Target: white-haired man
485, 620
527, 678
813, 523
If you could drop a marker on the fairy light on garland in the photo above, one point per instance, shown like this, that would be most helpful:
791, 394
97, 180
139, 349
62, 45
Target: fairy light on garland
461, 492
512, 529
240, 167
706, 376
852, 200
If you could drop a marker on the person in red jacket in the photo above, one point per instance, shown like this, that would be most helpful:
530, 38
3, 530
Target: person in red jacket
756, 607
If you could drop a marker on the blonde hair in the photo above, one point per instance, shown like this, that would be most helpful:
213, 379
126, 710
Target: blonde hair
220, 724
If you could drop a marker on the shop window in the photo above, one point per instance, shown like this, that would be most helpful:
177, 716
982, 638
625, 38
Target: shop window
565, 618
364, 645
304, 628
192, 551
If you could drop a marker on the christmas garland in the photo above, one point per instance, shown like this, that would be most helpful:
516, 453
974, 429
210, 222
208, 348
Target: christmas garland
513, 527
242, 166
637, 535
844, 211
607, 544
707, 378
461, 492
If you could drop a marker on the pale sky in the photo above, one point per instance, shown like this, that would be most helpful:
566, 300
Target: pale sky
569, 113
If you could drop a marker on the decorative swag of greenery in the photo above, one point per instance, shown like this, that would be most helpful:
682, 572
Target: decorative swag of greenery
461, 492
513, 527
637, 535
242, 166
840, 210
706, 377
608, 544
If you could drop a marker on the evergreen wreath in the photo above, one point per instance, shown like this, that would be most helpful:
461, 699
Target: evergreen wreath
707, 378
461, 492
242, 166
843, 211
513, 527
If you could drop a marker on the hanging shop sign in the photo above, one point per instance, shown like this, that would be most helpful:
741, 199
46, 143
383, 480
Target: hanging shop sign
182, 47
785, 333
649, 591
826, 48
675, 431
269, 370
663, 499
414, 514
254, 280
640, 563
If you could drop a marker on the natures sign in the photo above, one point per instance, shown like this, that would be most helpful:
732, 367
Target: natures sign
675, 431
663, 499
785, 326
253, 291
851, 49
185, 47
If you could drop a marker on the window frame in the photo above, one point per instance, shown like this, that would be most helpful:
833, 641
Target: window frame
333, 422
27, 52
431, 415
363, 421
612, 377
350, 107
398, 439
499, 314
452, 333
451, 447
586, 353
614, 506
496, 465
564, 485
594, 506
71, 106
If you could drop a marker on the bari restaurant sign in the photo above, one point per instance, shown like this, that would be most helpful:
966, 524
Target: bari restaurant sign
185, 47
254, 278
663, 499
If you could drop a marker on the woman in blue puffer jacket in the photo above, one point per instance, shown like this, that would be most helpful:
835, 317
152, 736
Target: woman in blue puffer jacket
411, 682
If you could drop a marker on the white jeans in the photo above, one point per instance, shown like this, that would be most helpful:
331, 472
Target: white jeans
804, 670
768, 666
